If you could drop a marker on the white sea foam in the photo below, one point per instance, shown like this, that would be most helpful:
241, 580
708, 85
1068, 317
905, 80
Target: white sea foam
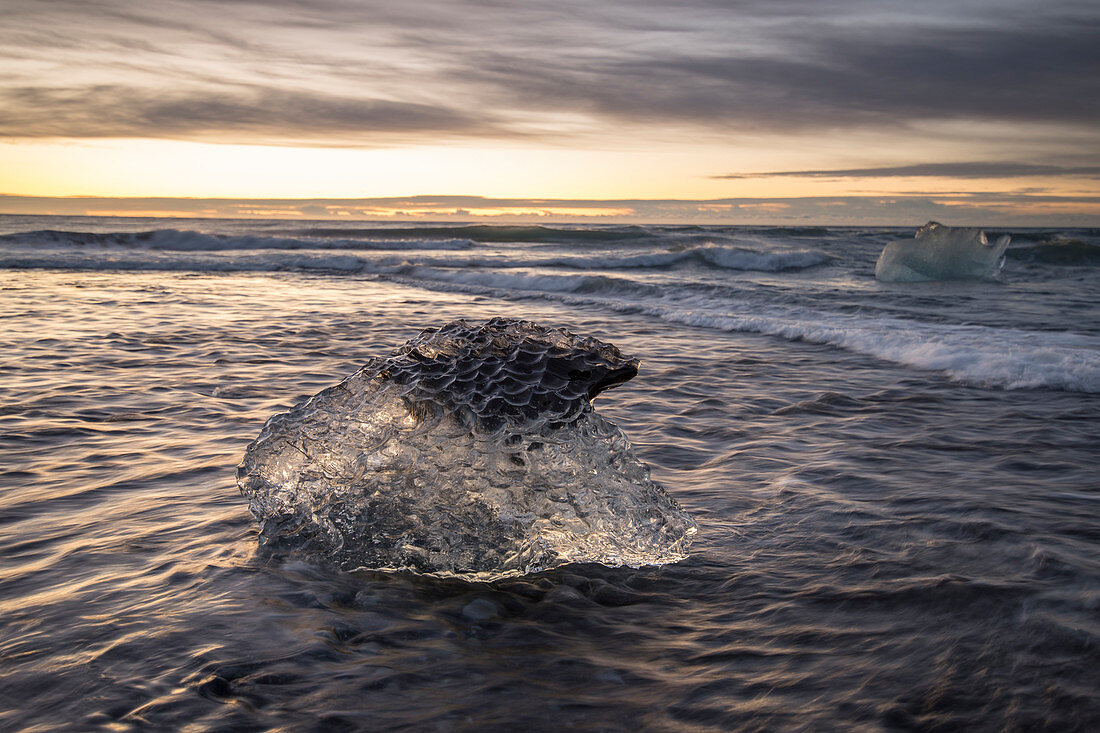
729, 258
975, 355
184, 241
606, 278
524, 281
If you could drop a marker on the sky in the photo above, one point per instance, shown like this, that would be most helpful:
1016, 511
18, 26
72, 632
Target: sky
754, 111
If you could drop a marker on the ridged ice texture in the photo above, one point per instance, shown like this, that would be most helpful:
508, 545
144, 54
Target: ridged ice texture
472, 451
939, 252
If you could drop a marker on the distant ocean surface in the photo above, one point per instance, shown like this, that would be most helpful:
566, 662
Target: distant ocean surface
897, 485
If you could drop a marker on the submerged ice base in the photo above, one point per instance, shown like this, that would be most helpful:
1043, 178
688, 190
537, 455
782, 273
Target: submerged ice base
939, 252
472, 451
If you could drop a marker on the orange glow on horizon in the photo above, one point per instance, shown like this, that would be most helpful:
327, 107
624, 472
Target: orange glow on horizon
162, 178
125, 168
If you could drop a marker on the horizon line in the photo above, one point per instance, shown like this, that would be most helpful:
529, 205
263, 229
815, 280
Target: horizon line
1023, 209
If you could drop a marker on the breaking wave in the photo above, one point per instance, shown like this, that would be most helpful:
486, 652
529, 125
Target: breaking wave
176, 240
1070, 252
166, 249
682, 275
159, 262
980, 356
729, 258
488, 233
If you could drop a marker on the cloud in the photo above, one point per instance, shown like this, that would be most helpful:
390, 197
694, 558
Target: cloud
868, 76
120, 111
973, 169
359, 71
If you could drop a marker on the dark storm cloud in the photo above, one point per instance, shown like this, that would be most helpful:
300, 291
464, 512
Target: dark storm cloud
973, 169
870, 77
488, 68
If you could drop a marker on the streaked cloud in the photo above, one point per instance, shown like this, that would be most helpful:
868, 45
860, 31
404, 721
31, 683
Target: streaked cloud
270, 72
120, 111
973, 169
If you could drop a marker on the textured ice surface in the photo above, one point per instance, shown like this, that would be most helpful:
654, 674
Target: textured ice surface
472, 451
939, 252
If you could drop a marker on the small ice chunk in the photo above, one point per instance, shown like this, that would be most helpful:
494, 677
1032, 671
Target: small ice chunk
940, 252
472, 451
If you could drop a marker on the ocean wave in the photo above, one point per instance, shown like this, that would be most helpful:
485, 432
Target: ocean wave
487, 233
176, 240
1071, 252
101, 251
728, 258
980, 356
521, 281
983, 356
500, 272
211, 263
795, 231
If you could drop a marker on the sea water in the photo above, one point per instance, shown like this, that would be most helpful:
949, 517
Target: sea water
896, 485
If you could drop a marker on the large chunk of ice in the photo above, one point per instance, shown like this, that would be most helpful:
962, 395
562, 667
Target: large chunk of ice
940, 252
472, 451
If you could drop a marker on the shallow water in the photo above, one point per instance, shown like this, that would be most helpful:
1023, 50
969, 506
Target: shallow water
896, 491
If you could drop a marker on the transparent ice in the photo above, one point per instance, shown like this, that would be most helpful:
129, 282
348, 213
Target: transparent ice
472, 451
939, 252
